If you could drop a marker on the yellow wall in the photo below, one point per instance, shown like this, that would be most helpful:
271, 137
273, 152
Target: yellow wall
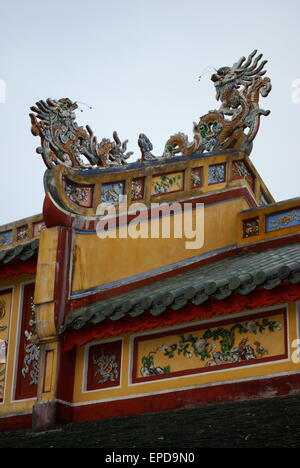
100, 261
9, 406
220, 376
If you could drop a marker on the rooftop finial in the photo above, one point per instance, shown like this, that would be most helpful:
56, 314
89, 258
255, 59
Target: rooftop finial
64, 142
238, 88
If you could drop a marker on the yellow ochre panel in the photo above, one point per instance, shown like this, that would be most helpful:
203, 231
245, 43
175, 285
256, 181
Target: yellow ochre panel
101, 261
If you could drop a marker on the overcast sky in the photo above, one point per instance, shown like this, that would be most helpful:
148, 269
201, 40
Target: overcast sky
136, 62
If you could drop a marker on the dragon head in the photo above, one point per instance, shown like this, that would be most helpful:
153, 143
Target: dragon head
230, 82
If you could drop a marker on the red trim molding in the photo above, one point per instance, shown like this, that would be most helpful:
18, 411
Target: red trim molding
185, 398
62, 275
18, 267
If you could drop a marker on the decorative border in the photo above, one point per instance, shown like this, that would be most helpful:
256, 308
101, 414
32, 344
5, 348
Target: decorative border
200, 326
112, 192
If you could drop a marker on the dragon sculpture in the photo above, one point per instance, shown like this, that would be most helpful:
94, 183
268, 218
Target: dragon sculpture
238, 88
233, 126
64, 142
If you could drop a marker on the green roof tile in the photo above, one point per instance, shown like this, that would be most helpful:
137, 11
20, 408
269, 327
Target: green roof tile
241, 273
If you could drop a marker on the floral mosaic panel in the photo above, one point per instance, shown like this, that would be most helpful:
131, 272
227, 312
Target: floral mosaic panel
167, 183
5, 238
240, 170
104, 365
284, 219
203, 348
250, 227
216, 173
113, 193
138, 188
5, 305
196, 177
80, 194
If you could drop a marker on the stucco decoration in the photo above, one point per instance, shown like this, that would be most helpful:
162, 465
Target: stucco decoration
64, 142
235, 124
146, 147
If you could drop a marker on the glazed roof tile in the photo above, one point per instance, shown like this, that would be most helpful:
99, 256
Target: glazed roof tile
242, 273
19, 252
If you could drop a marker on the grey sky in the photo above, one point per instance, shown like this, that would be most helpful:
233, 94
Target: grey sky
137, 63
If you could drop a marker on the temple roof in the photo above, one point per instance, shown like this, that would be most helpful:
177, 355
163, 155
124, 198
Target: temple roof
241, 273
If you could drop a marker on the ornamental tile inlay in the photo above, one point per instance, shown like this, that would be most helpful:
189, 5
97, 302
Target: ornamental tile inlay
216, 173
250, 227
80, 194
112, 193
284, 219
22, 233
196, 177
167, 183
137, 188
240, 170
5, 238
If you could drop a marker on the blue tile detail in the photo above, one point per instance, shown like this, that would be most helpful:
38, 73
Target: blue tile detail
282, 220
216, 173
5, 238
